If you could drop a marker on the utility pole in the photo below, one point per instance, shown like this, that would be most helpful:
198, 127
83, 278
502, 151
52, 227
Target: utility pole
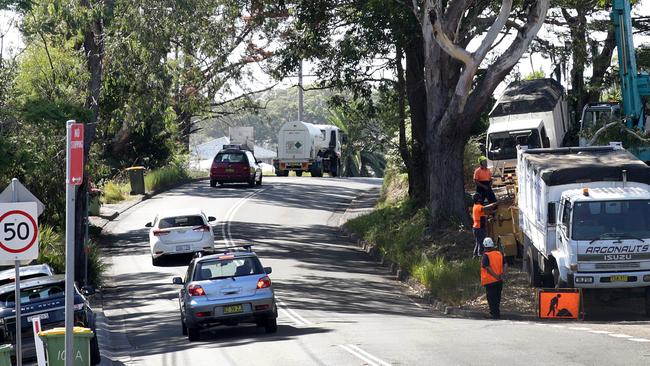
300, 97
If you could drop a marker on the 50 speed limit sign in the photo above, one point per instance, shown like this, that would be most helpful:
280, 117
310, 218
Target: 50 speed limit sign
18, 231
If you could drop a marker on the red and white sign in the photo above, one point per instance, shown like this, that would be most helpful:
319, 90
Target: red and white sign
38, 342
18, 231
76, 154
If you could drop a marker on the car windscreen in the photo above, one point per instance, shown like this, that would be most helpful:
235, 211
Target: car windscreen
180, 221
222, 268
34, 294
611, 220
503, 145
230, 158
5, 281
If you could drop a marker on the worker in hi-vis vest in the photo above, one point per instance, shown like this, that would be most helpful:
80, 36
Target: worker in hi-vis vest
492, 268
479, 218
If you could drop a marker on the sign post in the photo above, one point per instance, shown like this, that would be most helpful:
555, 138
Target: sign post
74, 177
18, 241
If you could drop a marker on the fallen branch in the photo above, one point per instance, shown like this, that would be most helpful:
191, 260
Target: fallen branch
624, 129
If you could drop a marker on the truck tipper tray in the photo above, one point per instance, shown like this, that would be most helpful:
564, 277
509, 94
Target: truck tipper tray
573, 165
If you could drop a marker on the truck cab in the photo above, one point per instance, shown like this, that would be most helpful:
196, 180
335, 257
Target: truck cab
595, 116
603, 237
503, 137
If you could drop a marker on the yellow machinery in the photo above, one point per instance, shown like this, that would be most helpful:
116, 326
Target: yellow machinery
503, 224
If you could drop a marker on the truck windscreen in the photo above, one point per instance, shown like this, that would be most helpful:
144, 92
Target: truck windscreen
503, 145
611, 220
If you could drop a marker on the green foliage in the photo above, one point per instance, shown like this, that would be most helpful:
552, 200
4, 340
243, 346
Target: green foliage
537, 74
453, 281
397, 227
113, 192
164, 178
470, 159
52, 252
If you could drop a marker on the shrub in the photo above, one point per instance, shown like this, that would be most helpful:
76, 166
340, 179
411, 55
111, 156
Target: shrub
115, 192
165, 177
52, 252
452, 281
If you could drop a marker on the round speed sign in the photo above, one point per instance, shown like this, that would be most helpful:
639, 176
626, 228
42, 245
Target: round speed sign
18, 231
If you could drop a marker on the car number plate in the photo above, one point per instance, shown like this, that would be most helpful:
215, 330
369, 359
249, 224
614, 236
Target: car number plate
230, 170
182, 248
232, 309
618, 278
39, 316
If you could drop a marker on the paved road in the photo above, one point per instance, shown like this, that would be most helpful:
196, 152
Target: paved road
336, 307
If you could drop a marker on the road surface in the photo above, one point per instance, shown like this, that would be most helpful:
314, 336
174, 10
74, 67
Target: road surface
336, 307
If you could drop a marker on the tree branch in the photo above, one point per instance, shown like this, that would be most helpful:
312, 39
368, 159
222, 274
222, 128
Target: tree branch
443, 41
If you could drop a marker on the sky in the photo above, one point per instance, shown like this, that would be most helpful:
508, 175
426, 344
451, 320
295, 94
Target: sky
11, 42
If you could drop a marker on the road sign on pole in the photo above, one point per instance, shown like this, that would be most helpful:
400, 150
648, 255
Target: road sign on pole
74, 177
16, 192
75, 153
18, 231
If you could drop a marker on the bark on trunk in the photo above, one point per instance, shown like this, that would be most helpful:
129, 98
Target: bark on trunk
401, 101
417, 96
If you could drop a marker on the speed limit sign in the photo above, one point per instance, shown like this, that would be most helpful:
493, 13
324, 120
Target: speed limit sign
18, 231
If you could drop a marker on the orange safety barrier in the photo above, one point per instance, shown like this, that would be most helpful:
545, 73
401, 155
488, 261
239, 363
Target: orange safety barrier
560, 303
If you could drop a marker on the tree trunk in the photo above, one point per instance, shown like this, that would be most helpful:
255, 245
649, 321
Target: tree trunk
401, 101
94, 51
577, 27
184, 121
417, 97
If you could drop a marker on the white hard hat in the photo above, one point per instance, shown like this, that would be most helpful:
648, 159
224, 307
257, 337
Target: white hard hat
488, 243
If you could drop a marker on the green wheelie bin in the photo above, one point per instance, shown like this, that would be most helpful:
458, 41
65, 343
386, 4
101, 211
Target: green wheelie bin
136, 178
54, 341
5, 354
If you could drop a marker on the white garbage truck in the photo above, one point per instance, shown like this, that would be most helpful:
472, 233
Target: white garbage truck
305, 147
585, 217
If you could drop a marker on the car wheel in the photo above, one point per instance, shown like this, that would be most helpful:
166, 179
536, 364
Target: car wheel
213, 183
193, 334
298, 173
259, 182
95, 356
251, 182
271, 325
183, 327
155, 261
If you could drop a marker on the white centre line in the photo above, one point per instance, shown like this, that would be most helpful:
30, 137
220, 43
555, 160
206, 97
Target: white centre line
617, 335
363, 355
580, 328
599, 332
292, 314
641, 340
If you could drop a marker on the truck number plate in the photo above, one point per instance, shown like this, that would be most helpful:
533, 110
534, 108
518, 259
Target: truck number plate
618, 278
232, 309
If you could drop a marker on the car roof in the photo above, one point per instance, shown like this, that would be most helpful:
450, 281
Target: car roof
180, 212
33, 282
26, 270
236, 254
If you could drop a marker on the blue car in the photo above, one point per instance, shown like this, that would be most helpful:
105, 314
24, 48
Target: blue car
43, 297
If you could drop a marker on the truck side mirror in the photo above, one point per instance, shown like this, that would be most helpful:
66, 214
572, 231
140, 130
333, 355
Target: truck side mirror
551, 213
344, 138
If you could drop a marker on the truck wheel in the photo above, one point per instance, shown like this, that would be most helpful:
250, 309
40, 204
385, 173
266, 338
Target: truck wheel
95, 356
557, 281
334, 167
193, 334
647, 301
298, 173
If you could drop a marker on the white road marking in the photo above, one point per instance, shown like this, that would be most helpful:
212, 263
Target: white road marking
225, 225
580, 328
616, 335
293, 314
599, 332
557, 326
641, 340
363, 355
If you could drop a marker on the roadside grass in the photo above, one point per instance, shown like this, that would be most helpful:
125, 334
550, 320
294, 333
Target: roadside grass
52, 252
115, 192
165, 177
398, 228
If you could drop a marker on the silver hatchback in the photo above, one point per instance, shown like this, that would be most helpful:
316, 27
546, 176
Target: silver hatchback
226, 289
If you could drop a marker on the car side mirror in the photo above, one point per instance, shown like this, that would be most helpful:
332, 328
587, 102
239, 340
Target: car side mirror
212, 218
177, 281
148, 224
259, 162
88, 290
268, 270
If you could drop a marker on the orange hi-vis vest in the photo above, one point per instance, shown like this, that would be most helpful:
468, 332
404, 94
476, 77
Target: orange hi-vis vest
496, 263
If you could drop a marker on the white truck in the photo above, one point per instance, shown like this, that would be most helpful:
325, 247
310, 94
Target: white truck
585, 217
529, 113
243, 137
304, 147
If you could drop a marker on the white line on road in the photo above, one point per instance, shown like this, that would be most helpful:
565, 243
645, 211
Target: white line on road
293, 314
641, 340
225, 225
363, 355
617, 335
599, 332
580, 328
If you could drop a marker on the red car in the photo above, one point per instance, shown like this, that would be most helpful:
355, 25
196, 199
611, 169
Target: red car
234, 165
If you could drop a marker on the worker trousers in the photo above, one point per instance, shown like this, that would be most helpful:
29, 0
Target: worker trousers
493, 293
487, 194
479, 235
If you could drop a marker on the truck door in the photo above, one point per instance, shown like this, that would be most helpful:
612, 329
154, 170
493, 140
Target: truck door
564, 227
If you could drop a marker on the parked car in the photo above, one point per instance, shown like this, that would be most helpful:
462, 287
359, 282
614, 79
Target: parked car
26, 272
226, 289
235, 165
180, 231
44, 297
